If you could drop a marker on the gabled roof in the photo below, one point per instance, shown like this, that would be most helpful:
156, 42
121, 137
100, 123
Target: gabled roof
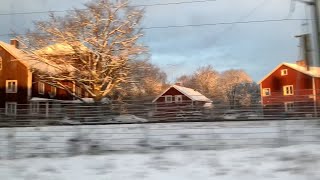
29, 61
312, 73
190, 93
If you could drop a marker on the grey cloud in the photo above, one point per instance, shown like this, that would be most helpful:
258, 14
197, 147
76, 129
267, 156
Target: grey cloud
257, 48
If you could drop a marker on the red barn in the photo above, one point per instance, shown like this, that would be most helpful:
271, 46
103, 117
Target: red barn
178, 99
292, 89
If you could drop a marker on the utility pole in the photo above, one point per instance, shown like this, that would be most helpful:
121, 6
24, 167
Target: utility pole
315, 32
315, 36
316, 9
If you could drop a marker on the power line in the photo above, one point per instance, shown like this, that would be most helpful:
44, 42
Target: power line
224, 23
198, 25
242, 18
145, 5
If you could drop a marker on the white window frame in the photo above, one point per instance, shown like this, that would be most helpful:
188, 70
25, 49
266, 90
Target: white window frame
178, 98
53, 91
11, 90
284, 72
34, 107
1, 63
289, 106
264, 90
288, 90
167, 100
11, 104
41, 88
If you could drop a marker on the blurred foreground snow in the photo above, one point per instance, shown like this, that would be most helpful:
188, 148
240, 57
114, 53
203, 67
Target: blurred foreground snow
285, 163
61, 141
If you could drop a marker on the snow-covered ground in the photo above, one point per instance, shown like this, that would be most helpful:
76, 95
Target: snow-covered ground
62, 141
285, 163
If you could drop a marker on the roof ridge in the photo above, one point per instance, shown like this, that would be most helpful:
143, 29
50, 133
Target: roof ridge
294, 66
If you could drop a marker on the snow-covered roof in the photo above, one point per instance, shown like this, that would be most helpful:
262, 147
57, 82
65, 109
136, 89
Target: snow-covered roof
86, 100
190, 93
31, 62
38, 99
313, 72
60, 49
91, 100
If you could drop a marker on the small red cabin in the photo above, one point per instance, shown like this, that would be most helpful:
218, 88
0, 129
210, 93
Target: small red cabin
178, 99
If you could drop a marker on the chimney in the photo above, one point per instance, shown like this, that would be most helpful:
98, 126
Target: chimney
302, 63
178, 83
15, 43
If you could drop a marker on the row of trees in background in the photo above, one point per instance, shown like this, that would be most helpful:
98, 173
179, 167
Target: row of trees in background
233, 86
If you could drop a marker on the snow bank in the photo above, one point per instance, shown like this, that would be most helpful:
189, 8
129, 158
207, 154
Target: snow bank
128, 118
56, 141
286, 163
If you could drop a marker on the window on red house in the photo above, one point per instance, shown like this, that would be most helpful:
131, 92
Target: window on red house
266, 92
288, 90
178, 98
168, 99
289, 106
11, 86
41, 87
284, 72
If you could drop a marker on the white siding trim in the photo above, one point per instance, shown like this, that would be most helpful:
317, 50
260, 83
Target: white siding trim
74, 89
29, 84
314, 96
1, 63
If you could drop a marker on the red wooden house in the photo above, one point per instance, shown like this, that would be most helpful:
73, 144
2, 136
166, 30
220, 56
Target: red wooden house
292, 89
176, 99
20, 87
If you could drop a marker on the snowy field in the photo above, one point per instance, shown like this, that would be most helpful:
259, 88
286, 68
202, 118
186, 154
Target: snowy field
63, 141
284, 163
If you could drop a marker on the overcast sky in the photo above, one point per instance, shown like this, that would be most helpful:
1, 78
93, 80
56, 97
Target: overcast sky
256, 47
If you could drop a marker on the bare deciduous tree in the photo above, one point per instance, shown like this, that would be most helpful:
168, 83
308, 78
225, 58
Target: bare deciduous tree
147, 80
204, 80
90, 48
231, 85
